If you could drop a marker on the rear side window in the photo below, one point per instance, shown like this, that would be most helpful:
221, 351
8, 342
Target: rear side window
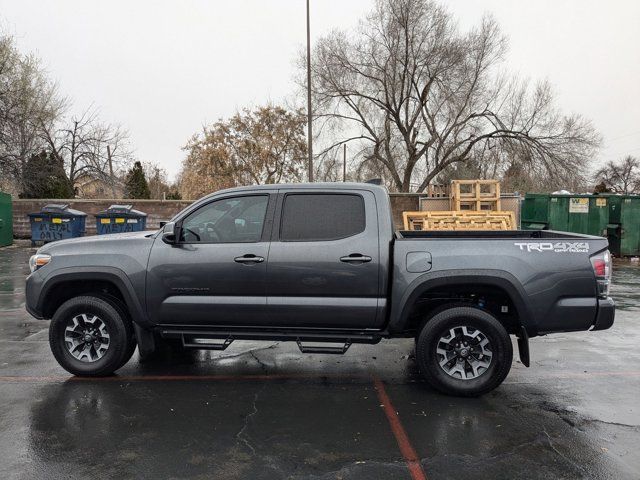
316, 217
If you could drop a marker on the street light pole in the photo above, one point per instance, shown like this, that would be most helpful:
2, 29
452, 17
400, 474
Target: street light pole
309, 115
344, 162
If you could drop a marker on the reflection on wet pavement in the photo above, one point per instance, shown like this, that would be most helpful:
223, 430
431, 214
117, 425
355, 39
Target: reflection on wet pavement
625, 285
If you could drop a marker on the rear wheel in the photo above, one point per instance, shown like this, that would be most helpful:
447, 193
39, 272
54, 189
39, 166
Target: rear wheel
90, 337
464, 351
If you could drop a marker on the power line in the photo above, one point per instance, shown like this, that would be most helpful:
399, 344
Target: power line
624, 136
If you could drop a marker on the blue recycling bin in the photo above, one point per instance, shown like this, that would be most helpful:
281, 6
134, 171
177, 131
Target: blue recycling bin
120, 219
56, 222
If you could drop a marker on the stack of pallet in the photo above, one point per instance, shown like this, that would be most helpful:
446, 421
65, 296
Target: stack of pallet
463, 220
437, 190
477, 195
475, 205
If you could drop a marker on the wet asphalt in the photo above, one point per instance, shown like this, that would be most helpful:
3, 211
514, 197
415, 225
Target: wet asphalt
265, 411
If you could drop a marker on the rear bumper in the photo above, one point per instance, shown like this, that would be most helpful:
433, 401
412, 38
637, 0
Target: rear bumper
606, 314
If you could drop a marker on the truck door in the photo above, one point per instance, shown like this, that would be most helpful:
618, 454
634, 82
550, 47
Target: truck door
216, 273
324, 260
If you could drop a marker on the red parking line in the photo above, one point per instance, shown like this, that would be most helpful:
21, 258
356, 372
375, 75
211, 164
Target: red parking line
407, 450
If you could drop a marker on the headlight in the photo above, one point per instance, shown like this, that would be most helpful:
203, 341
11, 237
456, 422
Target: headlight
38, 260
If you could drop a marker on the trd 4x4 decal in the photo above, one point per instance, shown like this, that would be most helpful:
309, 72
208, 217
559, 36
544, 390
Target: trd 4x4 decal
558, 247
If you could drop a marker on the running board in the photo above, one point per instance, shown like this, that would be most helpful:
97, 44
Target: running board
211, 338
323, 349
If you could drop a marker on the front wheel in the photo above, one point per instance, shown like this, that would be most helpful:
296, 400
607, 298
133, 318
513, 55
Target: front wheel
464, 351
89, 337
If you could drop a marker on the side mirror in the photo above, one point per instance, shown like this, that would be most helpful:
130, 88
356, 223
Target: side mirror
169, 233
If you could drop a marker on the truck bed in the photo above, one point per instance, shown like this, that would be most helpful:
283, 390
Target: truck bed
549, 270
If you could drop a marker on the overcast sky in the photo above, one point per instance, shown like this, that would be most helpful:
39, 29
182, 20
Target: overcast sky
162, 69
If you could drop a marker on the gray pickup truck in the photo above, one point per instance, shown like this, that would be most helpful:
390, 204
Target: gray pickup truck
319, 264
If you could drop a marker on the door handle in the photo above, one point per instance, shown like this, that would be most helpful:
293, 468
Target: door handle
249, 258
356, 258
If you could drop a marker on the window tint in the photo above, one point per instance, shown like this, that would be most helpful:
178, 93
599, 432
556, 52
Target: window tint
230, 220
313, 217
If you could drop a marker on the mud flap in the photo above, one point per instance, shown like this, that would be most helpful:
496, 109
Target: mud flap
523, 346
146, 341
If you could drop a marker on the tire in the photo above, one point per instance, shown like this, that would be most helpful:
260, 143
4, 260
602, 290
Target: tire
472, 369
131, 348
122, 311
75, 316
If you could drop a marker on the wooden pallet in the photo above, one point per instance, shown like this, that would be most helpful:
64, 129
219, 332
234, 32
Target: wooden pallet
475, 195
437, 190
459, 220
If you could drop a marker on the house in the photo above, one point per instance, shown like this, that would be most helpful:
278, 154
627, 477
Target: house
90, 186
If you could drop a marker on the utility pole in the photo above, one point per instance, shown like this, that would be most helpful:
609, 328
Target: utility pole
157, 182
344, 162
309, 115
113, 185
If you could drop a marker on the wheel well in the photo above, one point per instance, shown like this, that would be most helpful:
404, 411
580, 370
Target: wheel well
490, 298
64, 291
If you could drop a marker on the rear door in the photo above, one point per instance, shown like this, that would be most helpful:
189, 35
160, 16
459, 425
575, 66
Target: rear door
324, 259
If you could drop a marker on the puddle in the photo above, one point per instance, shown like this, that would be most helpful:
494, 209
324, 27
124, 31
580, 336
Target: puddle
625, 285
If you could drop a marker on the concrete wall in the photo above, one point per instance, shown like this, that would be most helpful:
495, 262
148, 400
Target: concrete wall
403, 202
157, 210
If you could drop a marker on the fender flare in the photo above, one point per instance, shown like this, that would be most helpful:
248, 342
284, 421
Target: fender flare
109, 274
494, 278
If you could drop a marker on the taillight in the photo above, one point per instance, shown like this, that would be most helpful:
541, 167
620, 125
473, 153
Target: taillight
599, 267
601, 263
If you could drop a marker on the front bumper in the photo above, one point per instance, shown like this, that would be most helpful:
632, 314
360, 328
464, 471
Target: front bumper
606, 314
33, 288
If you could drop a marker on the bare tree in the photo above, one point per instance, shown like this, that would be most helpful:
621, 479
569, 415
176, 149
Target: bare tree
621, 177
88, 146
158, 180
28, 99
416, 96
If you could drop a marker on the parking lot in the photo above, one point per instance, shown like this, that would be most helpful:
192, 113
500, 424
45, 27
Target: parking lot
263, 410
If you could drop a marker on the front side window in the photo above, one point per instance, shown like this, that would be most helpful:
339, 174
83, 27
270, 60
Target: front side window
229, 220
321, 217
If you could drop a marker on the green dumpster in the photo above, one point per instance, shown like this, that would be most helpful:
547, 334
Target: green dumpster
587, 214
6, 220
623, 229
535, 212
544, 211
559, 213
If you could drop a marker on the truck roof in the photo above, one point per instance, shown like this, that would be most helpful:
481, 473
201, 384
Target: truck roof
303, 186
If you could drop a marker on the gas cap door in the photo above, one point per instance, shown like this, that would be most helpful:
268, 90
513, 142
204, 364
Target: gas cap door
418, 262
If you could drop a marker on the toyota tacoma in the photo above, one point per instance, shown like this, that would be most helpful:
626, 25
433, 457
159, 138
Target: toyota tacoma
321, 265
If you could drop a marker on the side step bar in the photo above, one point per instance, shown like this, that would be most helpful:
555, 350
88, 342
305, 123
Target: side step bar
323, 349
190, 341
220, 339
